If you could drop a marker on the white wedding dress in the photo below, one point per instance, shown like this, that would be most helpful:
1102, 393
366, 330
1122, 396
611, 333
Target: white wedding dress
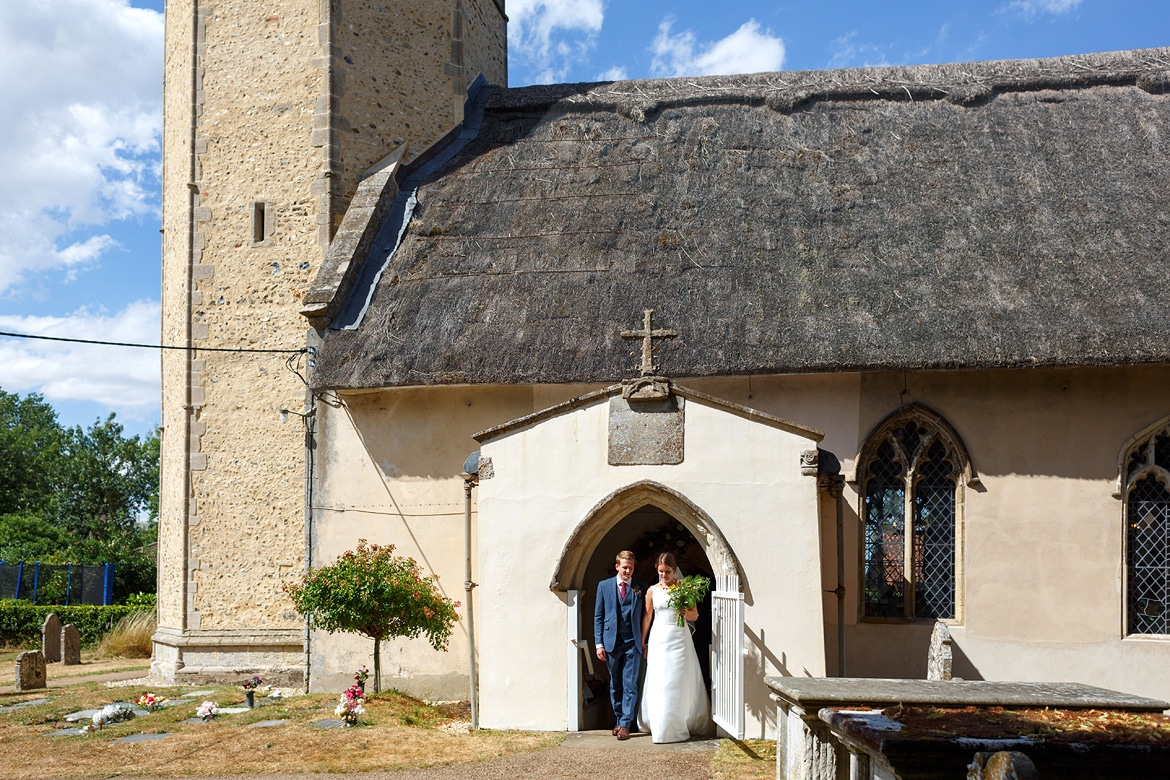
674, 698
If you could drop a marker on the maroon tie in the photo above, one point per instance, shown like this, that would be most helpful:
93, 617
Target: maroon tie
622, 588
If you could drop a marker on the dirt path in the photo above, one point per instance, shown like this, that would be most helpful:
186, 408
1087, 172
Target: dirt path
91, 671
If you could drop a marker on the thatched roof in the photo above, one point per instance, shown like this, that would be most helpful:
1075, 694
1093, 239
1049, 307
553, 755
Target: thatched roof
983, 215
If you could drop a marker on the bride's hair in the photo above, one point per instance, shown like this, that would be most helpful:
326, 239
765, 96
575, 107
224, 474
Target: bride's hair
666, 559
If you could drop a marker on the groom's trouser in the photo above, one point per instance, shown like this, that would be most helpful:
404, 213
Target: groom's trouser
624, 663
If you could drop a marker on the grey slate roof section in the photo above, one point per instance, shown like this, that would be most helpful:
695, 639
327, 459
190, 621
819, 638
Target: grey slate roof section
981, 215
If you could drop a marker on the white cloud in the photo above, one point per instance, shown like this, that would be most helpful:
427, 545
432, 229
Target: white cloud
747, 50
125, 379
87, 250
1030, 9
539, 30
616, 73
80, 118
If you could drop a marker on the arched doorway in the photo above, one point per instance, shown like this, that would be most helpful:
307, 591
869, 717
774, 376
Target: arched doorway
647, 531
647, 518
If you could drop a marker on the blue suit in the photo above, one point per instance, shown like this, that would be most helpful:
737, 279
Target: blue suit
617, 627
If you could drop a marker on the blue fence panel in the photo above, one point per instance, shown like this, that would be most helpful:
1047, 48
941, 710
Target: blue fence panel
9, 579
66, 583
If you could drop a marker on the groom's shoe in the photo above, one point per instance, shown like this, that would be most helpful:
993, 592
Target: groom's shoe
623, 734
615, 730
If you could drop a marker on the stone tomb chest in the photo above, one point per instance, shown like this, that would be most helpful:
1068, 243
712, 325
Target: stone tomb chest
873, 729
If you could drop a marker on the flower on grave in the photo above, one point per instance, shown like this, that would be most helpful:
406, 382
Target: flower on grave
151, 702
354, 693
251, 685
112, 713
362, 675
349, 705
207, 710
349, 712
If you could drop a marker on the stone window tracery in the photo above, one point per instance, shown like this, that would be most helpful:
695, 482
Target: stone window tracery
912, 471
1146, 492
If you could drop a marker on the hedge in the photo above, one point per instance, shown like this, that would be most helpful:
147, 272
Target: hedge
20, 621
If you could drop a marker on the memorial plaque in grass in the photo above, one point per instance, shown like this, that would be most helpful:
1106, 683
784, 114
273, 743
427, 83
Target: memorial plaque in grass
142, 738
329, 723
66, 733
23, 704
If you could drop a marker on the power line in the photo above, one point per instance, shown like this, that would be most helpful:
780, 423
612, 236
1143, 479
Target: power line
150, 346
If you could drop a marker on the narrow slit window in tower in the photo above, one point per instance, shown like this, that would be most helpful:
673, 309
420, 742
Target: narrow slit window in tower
260, 224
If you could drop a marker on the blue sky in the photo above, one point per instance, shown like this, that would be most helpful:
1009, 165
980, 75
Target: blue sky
80, 97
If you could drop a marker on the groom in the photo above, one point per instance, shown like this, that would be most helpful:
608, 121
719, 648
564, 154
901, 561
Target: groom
617, 632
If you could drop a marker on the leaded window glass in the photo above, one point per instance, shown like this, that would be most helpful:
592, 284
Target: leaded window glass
911, 469
1147, 511
885, 547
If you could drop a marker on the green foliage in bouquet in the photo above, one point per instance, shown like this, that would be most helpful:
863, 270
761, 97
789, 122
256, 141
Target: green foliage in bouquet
687, 593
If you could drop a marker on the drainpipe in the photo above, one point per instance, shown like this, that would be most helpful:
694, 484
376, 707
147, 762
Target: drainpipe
838, 491
310, 420
469, 481
829, 478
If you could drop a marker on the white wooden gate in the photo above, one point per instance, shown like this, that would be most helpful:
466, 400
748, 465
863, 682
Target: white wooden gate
573, 720
727, 655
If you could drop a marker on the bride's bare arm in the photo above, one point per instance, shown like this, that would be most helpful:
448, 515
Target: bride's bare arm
647, 617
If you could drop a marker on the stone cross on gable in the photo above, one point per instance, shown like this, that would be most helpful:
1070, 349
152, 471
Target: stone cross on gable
648, 333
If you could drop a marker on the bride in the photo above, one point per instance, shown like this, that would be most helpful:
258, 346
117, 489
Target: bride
674, 699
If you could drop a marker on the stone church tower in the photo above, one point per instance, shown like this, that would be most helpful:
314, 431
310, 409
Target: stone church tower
274, 110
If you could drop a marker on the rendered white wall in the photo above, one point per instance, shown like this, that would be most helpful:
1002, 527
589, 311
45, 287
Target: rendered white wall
548, 477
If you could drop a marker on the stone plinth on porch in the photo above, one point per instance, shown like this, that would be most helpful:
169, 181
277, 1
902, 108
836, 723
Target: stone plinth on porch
815, 738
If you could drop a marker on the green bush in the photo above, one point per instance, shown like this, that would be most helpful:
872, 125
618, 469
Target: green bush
20, 621
144, 600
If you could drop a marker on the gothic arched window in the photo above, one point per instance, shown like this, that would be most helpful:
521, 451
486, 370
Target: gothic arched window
1146, 492
912, 466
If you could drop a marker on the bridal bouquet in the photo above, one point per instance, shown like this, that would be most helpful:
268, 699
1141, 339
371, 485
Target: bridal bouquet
687, 593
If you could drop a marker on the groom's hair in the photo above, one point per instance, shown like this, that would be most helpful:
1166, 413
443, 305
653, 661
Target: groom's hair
625, 555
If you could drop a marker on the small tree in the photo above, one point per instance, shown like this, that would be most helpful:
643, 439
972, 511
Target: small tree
374, 592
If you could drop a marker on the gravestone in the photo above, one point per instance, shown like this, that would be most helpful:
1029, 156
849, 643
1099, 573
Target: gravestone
30, 670
51, 639
70, 645
938, 660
